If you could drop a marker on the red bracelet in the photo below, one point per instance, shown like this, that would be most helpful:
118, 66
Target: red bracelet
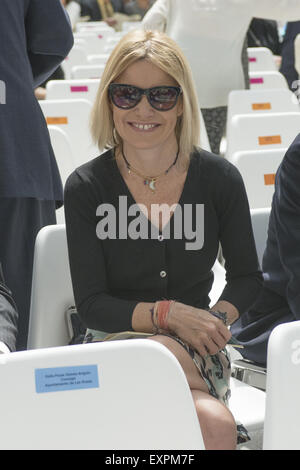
162, 313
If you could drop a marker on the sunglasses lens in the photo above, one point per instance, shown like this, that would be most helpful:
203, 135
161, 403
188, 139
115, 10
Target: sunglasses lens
163, 98
125, 96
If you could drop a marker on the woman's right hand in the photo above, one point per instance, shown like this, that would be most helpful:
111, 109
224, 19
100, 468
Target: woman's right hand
199, 328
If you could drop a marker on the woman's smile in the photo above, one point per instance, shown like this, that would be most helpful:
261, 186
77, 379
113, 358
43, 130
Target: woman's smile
143, 126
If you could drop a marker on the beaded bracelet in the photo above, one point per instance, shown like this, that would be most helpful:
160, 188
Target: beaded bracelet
159, 314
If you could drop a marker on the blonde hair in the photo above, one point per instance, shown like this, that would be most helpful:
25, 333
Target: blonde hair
163, 52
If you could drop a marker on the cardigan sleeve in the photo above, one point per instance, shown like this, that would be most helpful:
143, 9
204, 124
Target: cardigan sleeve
243, 275
49, 37
96, 307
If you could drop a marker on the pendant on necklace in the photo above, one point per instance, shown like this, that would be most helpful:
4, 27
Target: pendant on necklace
151, 183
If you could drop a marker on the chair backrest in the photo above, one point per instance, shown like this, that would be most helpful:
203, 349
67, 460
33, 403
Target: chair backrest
260, 224
52, 291
95, 40
72, 89
258, 169
98, 59
261, 59
264, 132
121, 395
218, 284
92, 25
72, 116
204, 142
93, 71
76, 56
258, 102
130, 25
261, 80
63, 152
281, 429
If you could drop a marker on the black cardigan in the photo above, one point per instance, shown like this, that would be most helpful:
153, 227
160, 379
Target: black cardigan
110, 277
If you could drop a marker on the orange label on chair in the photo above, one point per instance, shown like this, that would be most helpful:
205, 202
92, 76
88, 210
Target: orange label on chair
269, 179
57, 120
260, 106
269, 140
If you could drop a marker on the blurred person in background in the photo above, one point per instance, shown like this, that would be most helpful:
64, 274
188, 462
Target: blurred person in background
212, 34
35, 37
137, 7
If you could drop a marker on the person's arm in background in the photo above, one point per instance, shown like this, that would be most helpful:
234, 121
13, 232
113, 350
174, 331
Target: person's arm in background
8, 319
49, 37
156, 18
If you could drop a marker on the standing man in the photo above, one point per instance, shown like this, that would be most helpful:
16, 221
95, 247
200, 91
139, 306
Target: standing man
35, 37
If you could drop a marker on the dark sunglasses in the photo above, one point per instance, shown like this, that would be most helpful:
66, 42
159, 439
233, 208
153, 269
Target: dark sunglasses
161, 98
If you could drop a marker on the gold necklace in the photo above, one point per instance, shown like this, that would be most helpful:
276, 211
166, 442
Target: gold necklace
148, 180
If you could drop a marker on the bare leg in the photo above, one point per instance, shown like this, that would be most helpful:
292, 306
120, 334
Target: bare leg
218, 426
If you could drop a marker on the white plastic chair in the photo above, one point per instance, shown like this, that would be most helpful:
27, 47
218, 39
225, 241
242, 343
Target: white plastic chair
258, 169
92, 25
119, 395
297, 53
204, 142
130, 25
77, 56
97, 59
261, 80
87, 71
281, 430
63, 152
72, 89
264, 132
52, 291
52, 294
261, 59
218, 284
258, 102
260, 224
73, 117
64, 157
96, 40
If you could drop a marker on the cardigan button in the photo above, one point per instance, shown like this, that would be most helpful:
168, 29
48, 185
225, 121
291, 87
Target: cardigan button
162, 274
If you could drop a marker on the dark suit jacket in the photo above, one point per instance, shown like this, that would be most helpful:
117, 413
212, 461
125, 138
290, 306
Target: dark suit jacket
287, 67
8, 316
35, 36
279, 301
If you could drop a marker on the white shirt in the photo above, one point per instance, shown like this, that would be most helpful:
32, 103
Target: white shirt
211, 34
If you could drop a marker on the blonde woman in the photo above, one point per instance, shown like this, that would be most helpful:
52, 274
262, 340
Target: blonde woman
145, 270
